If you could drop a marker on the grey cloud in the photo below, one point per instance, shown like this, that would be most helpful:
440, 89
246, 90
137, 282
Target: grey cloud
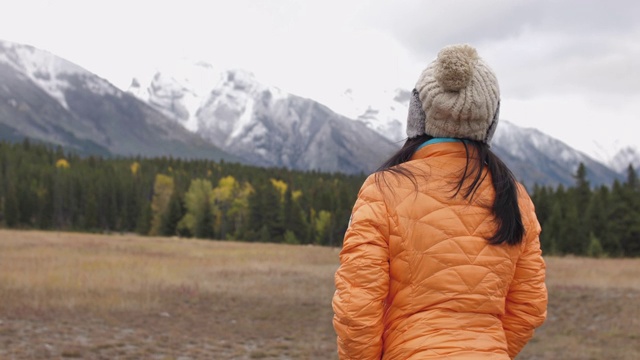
426, 26
572, 64
537, 47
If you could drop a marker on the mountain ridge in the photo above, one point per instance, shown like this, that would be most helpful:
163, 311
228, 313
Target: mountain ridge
49, 99
229, 114
264, 124
534, 156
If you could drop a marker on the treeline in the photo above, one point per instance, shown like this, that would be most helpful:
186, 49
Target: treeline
586, 221
42, 187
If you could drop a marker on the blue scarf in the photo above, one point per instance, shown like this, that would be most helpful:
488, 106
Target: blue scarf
437, 140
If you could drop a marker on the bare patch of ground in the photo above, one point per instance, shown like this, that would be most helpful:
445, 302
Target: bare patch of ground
588, 323
207, 326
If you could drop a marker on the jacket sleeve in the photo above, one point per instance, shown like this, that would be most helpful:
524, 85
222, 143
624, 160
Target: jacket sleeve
526, 303
362, 280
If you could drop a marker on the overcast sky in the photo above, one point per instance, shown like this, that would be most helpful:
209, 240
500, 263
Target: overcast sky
568, 68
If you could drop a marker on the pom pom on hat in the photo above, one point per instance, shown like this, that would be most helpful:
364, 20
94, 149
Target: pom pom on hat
454, 67
459, 97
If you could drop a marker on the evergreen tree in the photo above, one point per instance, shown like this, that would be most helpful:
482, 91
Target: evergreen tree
581, 194
11, 209
597, 215
552, 231
294, 218
90, 213
272, 205
265, 212
204, 222
290, 238
625, 218
542, 198
595, 248
172, 216
255, 222
572, 233
143, 224
582, 189
632, 182
621, 218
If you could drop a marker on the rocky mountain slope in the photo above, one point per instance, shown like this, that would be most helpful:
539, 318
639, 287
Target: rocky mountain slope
534, 157
197, 111
263, 124
46, 98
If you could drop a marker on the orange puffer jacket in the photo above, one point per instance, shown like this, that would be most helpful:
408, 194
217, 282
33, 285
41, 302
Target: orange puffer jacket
418, 279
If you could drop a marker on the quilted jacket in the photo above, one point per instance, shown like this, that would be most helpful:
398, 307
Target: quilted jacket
418, 279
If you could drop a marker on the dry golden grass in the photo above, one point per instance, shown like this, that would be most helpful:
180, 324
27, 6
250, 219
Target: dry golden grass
66, 295
125, 296
594, 311
593, 273
48, 270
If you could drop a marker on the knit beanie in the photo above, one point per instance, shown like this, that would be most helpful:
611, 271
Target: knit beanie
457, 96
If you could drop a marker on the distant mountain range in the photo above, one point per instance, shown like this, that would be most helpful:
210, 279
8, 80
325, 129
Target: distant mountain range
49, 99
197, 111
262, 124
534, 157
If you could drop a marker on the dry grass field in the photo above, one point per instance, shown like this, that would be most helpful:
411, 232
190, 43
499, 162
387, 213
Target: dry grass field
82, 296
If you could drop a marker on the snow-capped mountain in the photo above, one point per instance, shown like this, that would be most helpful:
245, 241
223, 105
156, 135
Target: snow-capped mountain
539, 158
624, 157
267, 126
51, 73
533, 156
617, 156
179, 91
47, 98
264, 124
385, 111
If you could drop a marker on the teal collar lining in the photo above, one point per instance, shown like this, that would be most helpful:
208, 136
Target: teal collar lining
437, 141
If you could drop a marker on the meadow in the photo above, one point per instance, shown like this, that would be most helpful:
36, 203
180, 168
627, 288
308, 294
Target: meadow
89, 296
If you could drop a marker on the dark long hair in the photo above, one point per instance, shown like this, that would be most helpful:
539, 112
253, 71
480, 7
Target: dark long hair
505, 205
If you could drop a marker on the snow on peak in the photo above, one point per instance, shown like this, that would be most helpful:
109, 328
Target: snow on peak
180, 90
626, 156
616, 155
246, 81
383, 111
230, 107
516, 139
50, 72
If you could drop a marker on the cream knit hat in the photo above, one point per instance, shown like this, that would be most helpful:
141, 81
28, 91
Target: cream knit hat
457, 96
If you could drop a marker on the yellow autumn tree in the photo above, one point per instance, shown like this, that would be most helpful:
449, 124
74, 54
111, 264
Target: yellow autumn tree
230, 205
239, 210
135, 167
197, 219
281, 186
162, 191
62, 164
322, 226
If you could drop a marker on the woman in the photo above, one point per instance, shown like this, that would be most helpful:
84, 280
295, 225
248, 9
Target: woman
442, 258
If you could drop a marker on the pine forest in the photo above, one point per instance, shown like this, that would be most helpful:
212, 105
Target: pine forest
43, 187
